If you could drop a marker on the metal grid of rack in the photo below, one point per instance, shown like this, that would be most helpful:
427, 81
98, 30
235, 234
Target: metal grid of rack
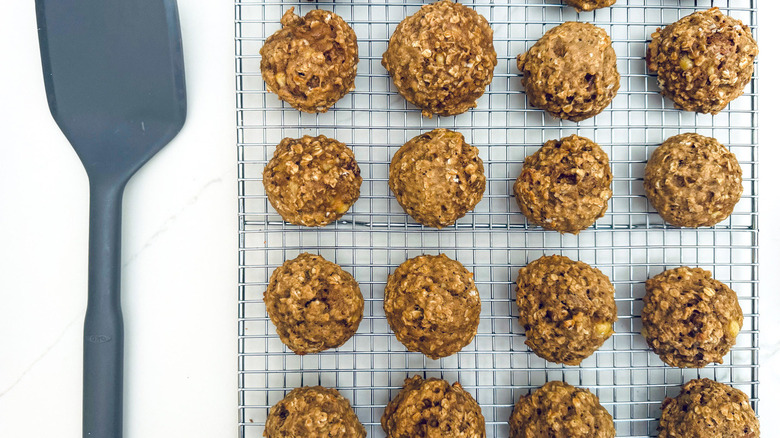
630, 244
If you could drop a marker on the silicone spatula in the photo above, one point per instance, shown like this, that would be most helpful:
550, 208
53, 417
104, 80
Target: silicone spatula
114, 77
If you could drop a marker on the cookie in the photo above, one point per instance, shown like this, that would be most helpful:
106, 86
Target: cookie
589, 5
559, 410
437, 177
314, 304
567, 308
432, 305
565, 185
433, 408
315, 412
690, 319
708, 409
571, 72
441, 59
703, 61
312, 181
693, 181
311, 62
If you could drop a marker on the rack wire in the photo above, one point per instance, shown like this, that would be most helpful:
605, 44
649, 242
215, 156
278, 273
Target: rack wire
630, 244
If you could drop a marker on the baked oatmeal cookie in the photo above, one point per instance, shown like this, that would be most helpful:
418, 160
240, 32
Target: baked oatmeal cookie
693, 181
312, 181
690, 319
703, 61
314, 304
442, 58
311, 62
708, 409
432, 305
571, 72
589, 5
431, 408
437, 177
559, 410
566, 307
313, 412
565, 185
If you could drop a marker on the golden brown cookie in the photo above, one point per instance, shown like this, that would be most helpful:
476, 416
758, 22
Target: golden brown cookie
693, 181
690, 319
708, 409
312, 181
589, 5
565, 185
703, 61
559, 410
311, 62
313, 412
571, 72
437, 177
567, 308
431, 408
432, 305
442, 58
314, 304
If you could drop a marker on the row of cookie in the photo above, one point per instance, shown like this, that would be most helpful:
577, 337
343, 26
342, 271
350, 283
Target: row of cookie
434, 408
442, 58
566, 308
691, 180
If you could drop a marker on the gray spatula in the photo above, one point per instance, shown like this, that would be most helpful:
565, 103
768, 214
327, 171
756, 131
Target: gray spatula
114, 78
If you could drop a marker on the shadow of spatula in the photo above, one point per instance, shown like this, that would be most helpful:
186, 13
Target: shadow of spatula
114, 78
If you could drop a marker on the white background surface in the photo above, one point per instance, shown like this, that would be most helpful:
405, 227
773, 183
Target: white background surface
179, 247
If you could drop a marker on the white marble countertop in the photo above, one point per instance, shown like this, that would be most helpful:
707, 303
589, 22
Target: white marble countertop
179, 248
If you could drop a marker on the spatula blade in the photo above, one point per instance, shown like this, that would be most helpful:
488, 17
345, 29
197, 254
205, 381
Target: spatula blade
114, 75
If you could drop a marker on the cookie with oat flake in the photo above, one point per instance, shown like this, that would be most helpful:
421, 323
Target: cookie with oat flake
432, 305
708, 409
571, 72
312, 181
690, 319
560, 410
703, 61
437, 177
314, 304
441, 59
693, 181
566, 307
311, 62
433, 408
313, 412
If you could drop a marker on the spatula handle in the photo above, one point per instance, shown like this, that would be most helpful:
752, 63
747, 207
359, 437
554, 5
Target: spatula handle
103, 327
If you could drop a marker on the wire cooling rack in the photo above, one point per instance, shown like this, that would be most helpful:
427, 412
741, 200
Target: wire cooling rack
630, 244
